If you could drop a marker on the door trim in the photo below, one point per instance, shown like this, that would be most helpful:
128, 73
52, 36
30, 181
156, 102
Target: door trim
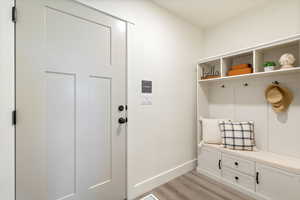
103, 12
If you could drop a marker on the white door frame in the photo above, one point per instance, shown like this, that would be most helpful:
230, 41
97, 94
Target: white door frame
7, 78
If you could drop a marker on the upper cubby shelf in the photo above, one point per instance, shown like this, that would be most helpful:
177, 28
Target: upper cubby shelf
249, 63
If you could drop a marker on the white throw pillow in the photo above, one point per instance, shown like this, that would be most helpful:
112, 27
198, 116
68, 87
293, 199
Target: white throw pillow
238, 135
210, 131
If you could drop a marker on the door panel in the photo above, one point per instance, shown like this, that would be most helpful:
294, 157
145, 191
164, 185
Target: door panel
100, 114
61, 135
71, 65
89, 46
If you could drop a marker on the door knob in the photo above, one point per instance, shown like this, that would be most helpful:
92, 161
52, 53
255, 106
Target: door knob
122, 120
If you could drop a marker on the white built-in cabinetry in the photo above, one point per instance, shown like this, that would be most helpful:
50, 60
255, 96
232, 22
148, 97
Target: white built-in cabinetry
254, 175
263, 175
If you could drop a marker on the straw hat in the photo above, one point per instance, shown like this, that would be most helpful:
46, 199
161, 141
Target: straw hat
279, 97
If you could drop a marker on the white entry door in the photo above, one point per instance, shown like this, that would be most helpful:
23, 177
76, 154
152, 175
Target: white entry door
70, 82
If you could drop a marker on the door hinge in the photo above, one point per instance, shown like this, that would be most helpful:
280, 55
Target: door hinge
14, 117
14, 14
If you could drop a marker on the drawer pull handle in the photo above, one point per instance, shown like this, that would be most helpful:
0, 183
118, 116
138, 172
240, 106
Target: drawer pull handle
236, 178
236, 164
257, 178
220, 167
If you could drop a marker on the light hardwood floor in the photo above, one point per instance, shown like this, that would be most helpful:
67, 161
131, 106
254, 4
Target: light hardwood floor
194, 186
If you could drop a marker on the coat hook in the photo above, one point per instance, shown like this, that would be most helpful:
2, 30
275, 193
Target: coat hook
276, 82
246, 84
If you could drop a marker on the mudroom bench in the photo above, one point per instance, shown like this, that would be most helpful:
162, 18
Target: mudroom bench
259, 174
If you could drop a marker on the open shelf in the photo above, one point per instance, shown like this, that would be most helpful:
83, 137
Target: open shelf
255, 57
228, 62
274, 53
210, 68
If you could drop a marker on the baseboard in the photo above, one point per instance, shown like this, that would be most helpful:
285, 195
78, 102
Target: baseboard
164, 177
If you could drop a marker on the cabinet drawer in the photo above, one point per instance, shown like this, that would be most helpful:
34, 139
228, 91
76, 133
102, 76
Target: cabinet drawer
239, 178
238, 164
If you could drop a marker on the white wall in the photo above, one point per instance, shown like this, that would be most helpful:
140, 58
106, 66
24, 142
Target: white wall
6, 101
277, 19
164, 49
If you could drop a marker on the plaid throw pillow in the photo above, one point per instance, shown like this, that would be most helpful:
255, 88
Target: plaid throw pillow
237, 135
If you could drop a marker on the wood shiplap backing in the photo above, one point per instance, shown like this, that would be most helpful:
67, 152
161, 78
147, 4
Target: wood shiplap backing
275, 132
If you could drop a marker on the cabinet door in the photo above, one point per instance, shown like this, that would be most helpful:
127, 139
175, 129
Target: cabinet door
209, 160
277, 184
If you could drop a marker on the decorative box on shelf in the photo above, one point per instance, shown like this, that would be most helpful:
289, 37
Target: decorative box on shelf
240, 70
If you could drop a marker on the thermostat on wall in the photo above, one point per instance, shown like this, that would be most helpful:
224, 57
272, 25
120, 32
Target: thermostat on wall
146, 87
146, 92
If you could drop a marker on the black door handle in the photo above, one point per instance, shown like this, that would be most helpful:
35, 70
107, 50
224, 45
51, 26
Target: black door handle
122, 120
220, 164
257, 178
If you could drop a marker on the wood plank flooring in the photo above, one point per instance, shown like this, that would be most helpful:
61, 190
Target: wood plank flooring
194, 186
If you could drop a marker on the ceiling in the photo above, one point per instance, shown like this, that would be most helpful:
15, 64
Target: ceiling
207, 13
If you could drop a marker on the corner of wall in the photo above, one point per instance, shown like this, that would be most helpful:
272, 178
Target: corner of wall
159, 179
